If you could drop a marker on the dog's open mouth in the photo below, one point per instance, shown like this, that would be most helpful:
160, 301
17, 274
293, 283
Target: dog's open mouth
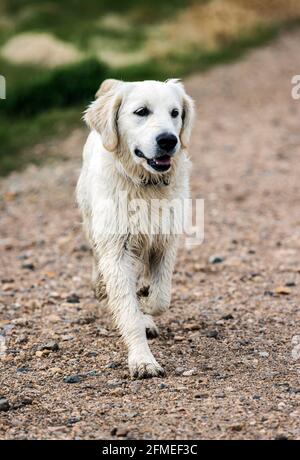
161, 164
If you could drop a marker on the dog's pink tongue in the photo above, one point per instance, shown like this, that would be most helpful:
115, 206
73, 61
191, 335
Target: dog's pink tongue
165, 160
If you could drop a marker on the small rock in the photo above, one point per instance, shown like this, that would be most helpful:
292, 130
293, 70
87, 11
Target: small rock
189, 373
263, 354
92, 374
281, 437
179, 370
212, 334
4, 405
256, 397
113, 383
87, 319
73, 298
51, 346
191, 327
201, 396
39, 353
216, 259
227, 317
55, 370
162, 386
236, 428
22, 401
84, 248
290, 284
22, 339
76, 378
179, 338
122, 432
282, 290
73, 420
281, 406
23, 369
113, 365
28, 267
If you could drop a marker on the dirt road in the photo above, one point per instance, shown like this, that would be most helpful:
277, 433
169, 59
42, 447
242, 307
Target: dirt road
230, 341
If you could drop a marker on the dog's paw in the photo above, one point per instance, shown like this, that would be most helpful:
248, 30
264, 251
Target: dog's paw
151, 328
145, 368
146, 371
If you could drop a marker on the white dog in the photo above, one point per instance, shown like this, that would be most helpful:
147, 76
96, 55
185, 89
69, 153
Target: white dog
135, 153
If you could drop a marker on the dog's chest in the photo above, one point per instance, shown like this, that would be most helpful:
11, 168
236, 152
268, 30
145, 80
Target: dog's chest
154, 215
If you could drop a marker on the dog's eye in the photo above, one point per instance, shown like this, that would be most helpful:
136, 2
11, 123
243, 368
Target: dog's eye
174, 113
142, 112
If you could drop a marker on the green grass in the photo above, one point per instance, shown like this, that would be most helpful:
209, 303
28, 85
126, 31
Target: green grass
77, 20
43, 103
18, 137
61, 87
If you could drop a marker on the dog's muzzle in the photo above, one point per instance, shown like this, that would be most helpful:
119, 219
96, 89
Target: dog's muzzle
166, 144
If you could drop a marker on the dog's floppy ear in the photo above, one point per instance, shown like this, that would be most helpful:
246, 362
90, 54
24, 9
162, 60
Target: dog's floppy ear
102, 114
188, 112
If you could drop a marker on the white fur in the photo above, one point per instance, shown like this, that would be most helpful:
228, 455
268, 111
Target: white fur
110, 166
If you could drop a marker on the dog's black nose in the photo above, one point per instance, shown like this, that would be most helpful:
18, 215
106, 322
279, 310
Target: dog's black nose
167, 142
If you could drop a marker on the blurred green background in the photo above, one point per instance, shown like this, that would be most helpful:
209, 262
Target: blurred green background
54, 54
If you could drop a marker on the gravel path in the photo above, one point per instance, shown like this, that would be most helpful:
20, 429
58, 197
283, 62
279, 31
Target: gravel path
230, 341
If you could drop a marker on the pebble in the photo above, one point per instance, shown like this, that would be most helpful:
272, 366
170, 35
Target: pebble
227, 317
179, 370
281, 437
28, 267
290, 284
73, 420
76, 378
212, 334
178, 338
191, 326
51, 346
114, 383
121, 432
263, 354
216, 259
40, 354
73, 298
4, 405
162, 386
23, 369
282, 290
189, 373
55, 370
113, 365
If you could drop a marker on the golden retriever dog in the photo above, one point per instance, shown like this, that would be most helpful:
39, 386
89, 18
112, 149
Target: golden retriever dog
134, 177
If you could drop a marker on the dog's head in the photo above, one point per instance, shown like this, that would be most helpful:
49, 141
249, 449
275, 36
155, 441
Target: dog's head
150, 119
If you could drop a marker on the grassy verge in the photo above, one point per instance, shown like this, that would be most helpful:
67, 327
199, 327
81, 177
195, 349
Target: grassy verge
18, 136
48, 102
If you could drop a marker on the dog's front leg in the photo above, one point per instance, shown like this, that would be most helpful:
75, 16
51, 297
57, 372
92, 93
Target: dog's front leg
120, 275
160, 281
